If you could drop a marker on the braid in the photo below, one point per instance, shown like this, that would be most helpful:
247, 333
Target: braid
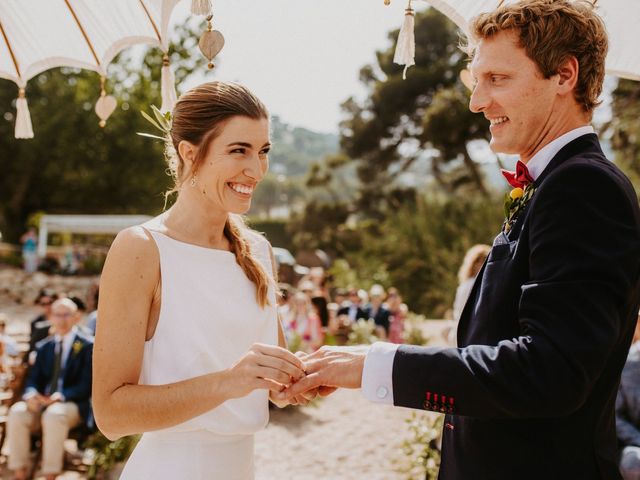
250, 266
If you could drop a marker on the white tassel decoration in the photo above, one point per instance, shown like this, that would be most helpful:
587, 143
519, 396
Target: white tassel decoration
406, 46
23, 117
168, 86
201, 7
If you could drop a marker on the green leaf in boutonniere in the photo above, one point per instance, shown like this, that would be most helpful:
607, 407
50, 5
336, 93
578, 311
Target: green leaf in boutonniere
514, 203
76, 347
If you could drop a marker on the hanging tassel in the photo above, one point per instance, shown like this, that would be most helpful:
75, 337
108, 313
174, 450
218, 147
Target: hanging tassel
406, 46
168, 86
201, 7
23, 117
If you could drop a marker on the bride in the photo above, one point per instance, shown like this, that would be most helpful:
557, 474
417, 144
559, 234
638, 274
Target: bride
188, 344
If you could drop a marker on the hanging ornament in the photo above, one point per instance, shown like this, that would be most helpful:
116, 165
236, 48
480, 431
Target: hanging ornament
168, 86
406, 46
387, 2
105, 105
211, 42
24, 128
201, 7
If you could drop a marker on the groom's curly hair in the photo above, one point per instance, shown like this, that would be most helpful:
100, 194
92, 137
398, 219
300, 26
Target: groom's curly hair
551, 31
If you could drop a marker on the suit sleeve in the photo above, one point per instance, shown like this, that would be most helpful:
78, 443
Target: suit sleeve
81, 390
583, 266
36, 380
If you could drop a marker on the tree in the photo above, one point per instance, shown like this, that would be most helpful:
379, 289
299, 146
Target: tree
73, 165
425, 115
625, 128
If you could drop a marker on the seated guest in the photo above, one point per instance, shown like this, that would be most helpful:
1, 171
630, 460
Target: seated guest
628, 412
57, 394
353, 309
40, 325
378, 312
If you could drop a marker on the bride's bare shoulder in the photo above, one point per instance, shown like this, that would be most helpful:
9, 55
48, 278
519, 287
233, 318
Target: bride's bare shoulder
134, 245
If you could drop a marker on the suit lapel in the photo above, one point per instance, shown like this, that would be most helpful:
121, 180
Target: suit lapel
581, 144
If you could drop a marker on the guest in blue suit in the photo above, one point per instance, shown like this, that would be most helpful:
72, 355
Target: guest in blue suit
57, 394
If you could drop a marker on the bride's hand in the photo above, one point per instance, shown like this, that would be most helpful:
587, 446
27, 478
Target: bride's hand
264, 367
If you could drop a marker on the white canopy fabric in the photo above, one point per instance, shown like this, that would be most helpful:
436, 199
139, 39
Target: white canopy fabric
88, 224
36, 35
622, 18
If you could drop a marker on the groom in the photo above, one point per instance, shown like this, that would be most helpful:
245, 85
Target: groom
530, 392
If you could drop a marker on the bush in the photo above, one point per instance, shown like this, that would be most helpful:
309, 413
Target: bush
105, 454
421, 450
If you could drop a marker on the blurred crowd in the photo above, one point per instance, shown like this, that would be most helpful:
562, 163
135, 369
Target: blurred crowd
314, 313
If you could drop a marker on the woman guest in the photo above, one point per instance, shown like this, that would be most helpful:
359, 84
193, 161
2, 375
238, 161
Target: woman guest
303, 322
471, 265
398, 312
188, 347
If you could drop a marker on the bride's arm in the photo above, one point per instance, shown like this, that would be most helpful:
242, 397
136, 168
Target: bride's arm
121, 406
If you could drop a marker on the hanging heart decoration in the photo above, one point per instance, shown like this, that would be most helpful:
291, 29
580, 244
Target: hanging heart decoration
105, 106
210, 44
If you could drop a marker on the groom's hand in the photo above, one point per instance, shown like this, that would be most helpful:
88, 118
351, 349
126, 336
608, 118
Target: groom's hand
327, 369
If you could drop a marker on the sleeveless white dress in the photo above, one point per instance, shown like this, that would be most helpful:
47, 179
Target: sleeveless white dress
209, 318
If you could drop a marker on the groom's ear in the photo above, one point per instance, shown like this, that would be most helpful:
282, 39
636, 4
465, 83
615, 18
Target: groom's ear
568, 75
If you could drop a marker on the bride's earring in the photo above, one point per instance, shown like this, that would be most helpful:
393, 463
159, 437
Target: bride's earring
194, 180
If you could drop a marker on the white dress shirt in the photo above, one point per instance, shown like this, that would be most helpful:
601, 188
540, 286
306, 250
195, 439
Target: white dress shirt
377, 375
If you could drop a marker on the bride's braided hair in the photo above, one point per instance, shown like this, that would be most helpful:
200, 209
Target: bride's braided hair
197, 118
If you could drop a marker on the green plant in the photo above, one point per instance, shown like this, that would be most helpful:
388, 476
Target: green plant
421, 450
363, 332
413, 333
107, 453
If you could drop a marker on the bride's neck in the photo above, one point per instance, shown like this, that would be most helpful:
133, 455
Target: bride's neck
196, 222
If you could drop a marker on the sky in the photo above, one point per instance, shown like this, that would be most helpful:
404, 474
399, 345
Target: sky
301, 57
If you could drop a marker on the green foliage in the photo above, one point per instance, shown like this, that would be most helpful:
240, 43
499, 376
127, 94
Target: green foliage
295, 148
413, 333
107, 453
422, 247
424, 117
624, 128
421, 450
363, 333
274, 230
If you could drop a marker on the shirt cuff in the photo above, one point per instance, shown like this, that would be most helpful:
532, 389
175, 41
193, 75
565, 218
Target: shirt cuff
377, 374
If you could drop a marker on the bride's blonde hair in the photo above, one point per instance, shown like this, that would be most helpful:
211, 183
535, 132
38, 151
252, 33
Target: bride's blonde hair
198, 117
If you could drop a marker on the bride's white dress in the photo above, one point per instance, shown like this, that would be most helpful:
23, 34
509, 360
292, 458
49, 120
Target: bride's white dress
209, 318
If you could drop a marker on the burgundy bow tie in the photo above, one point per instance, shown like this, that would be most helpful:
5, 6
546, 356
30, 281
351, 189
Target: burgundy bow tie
520, 178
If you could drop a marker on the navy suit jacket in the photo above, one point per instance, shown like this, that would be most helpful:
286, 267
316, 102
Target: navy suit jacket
530, 392
76, 380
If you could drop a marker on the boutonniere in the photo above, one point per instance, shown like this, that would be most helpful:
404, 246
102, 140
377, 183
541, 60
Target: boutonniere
76, 347
514, 203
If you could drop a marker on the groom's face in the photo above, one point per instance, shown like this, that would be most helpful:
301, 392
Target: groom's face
512, 94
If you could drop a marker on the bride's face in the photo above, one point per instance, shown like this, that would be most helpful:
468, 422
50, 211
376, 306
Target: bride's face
236, 161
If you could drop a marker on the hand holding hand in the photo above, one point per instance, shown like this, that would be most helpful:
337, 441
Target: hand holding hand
265, 367
327, 369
